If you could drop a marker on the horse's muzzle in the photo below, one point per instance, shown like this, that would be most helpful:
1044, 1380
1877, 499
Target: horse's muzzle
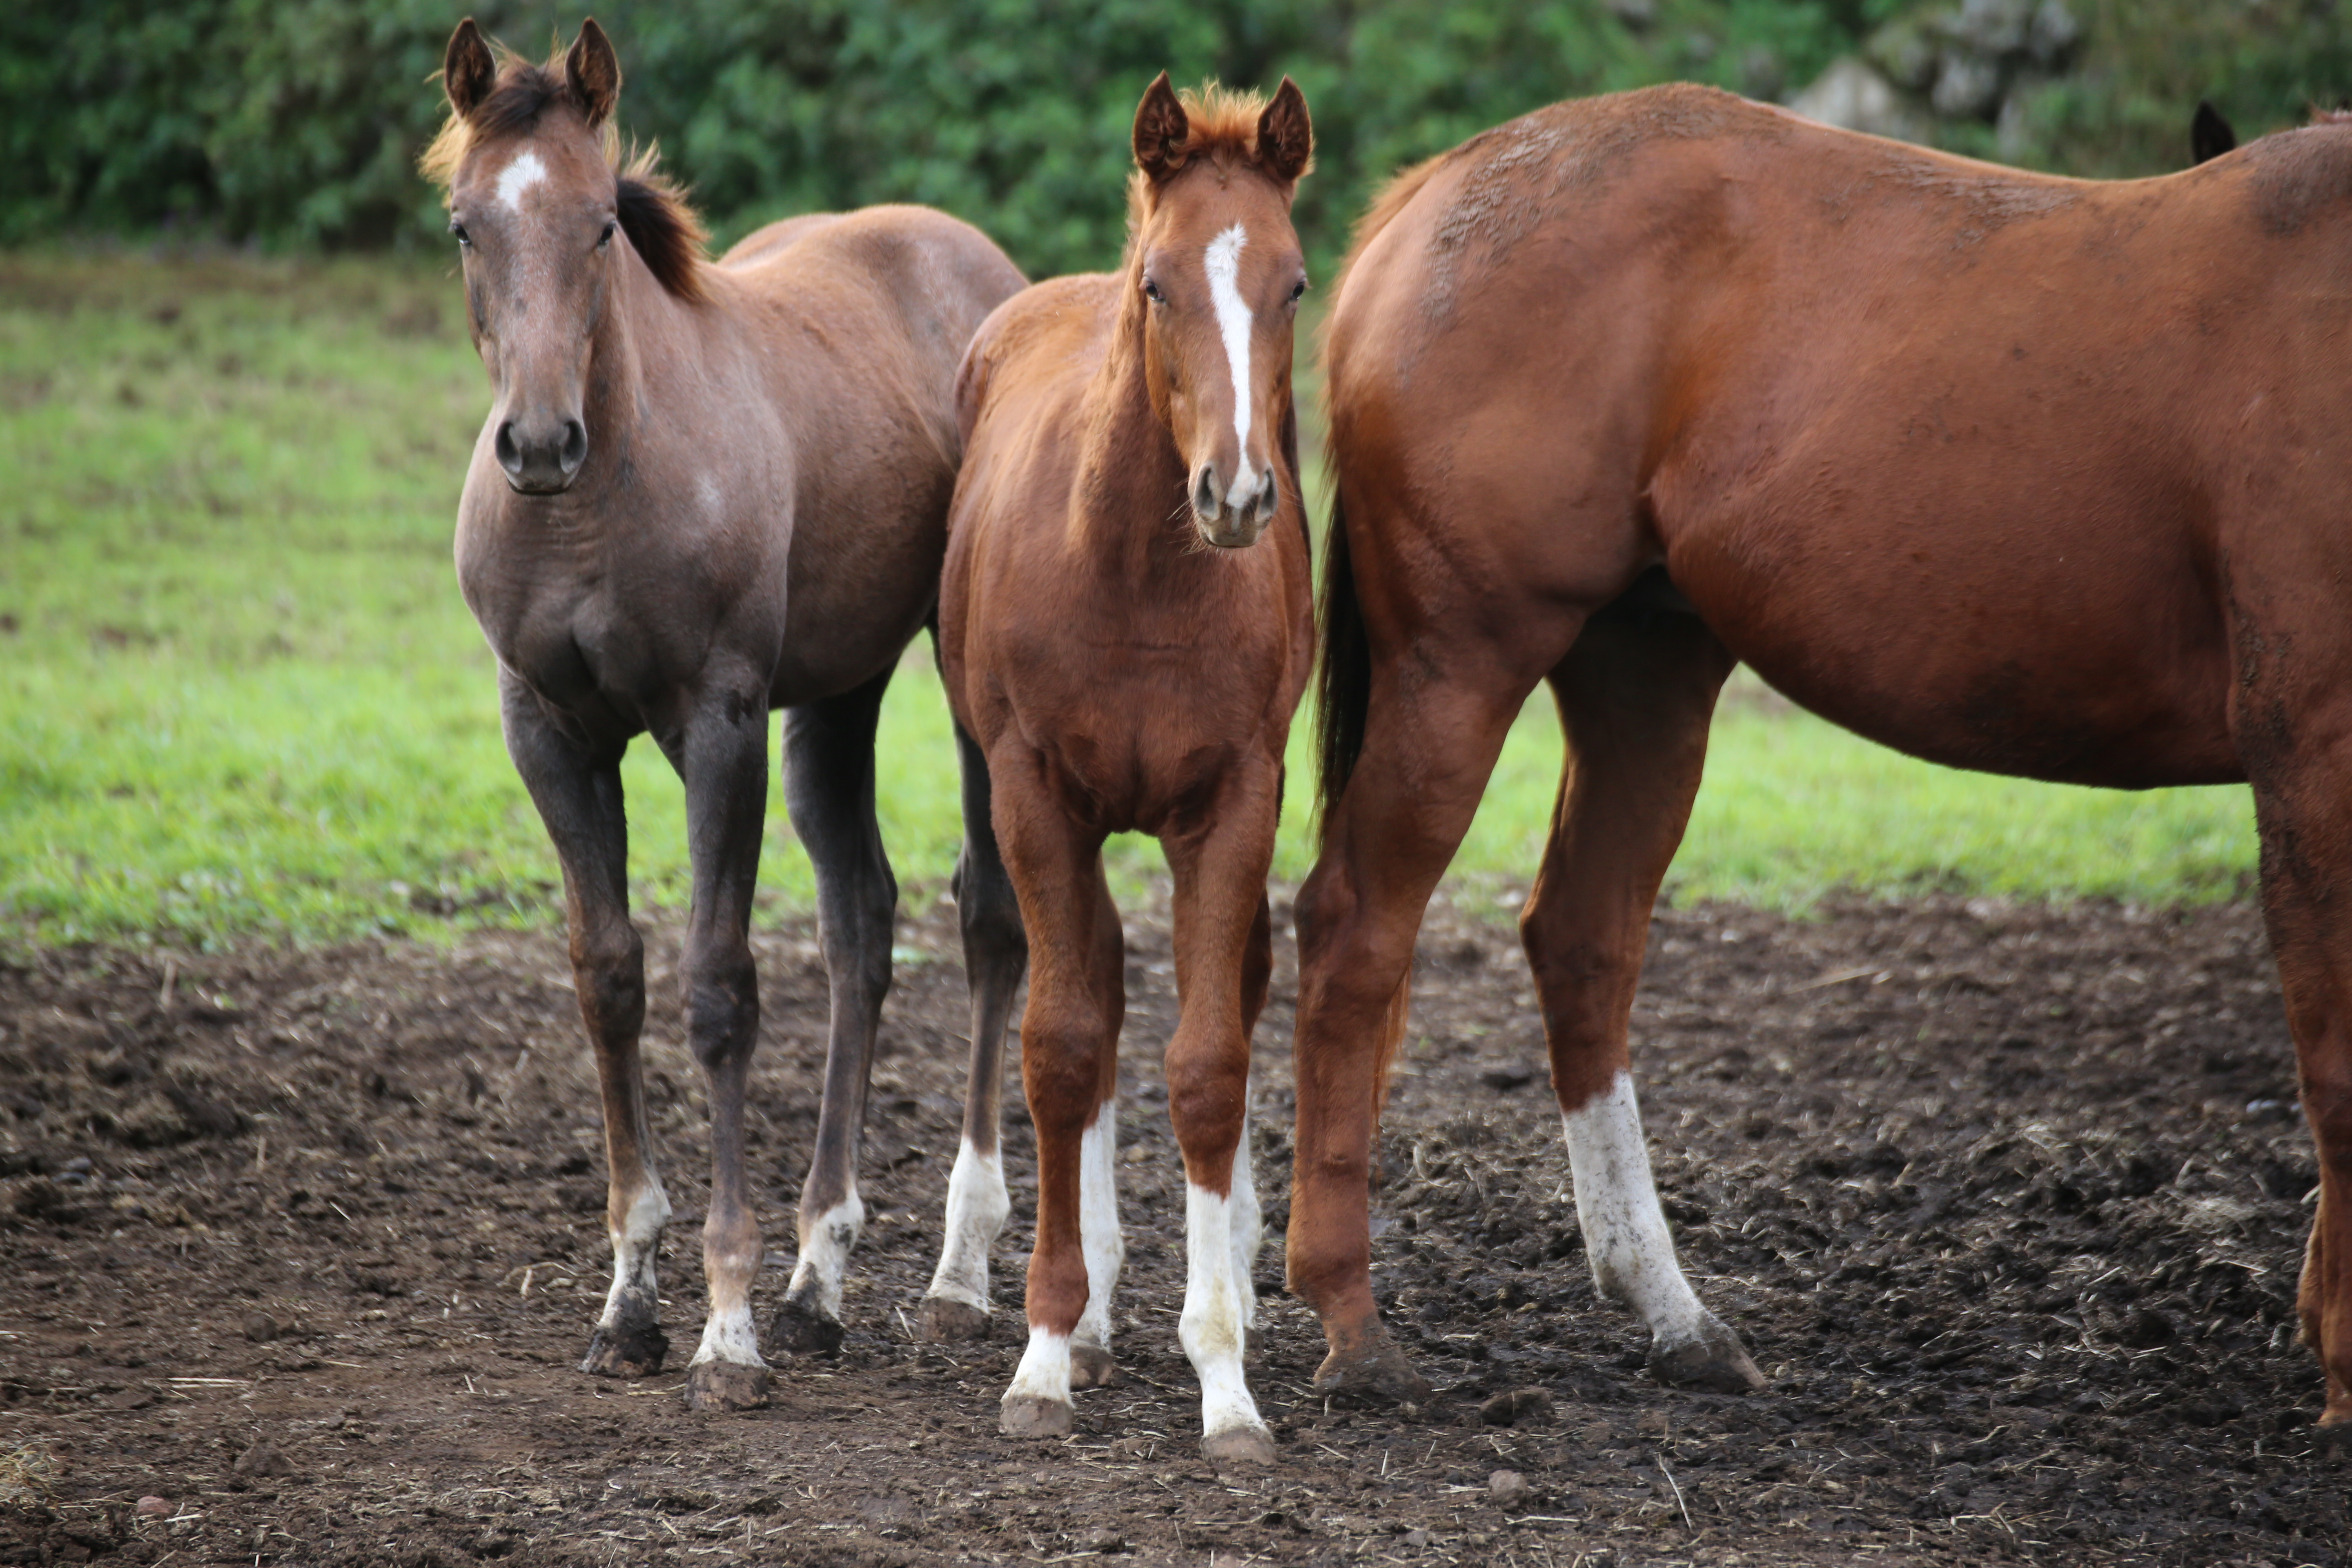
541, 463
1227, 522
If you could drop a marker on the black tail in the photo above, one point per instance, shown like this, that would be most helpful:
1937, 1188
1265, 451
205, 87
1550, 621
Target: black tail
1344, 684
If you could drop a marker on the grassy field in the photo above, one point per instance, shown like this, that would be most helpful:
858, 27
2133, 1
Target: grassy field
239, 694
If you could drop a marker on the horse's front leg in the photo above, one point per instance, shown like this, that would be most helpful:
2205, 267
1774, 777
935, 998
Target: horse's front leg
577, 788
722, 756
1223, 938
829, 785
1076, 999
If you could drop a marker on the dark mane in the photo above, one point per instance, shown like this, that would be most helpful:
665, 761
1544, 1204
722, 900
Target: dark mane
653, 212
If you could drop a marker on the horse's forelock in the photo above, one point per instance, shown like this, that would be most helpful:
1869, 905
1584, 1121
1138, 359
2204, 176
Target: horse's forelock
661, 224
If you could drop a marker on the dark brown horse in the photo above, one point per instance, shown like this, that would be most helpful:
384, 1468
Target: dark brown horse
2017, 473
704, 492
1129, 663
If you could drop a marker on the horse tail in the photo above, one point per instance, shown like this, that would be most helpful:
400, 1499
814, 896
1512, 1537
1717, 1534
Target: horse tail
1344, 681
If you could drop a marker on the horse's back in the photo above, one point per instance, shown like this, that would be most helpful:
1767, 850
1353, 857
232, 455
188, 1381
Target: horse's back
1940, 447
1048, 337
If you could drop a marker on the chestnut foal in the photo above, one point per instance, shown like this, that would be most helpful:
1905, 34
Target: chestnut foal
1125, 672
704, 492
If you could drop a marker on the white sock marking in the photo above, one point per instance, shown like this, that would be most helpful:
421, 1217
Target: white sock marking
1626, 1235
728, 1335
1249, 1227
824, 1253
635, 1245
1214, 1324
1224, 263
977, 1206
1098, 1233
1044, 1369
519, 177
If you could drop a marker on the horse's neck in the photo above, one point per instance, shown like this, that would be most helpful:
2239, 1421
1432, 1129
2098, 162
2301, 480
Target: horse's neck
632, 338
1128, 512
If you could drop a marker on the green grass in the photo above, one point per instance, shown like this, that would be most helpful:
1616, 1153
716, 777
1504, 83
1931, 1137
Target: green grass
239, 694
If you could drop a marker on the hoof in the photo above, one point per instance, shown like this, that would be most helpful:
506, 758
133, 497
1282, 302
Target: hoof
1027, 1416
1091, 1367
2332, 1434
726, 1385
800, 1328
1372, 1370
1716, 1361
941, 1320
1238, 1446
627, 1351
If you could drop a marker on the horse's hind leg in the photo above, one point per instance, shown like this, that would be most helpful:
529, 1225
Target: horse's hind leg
995, 955
2303, 803
578, 793
1634, 695
829, 785
722, 756
1099, 1236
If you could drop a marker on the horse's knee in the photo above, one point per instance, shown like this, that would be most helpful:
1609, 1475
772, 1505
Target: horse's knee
722, 1004
608, 970
1208, 1095
1061, 1074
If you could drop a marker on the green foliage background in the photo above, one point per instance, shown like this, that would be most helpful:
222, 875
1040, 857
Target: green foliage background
296, 121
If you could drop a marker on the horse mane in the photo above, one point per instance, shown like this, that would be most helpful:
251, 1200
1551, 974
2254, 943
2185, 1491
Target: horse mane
652, 208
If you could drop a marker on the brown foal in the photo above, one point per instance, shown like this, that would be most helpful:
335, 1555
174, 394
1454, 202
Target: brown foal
704, 492
2030, 475
1125, 670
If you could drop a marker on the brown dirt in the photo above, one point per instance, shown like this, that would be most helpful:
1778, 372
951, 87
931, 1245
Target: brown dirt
2009, 1202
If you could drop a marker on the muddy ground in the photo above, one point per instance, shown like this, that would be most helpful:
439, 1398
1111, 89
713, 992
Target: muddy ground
2008, 1201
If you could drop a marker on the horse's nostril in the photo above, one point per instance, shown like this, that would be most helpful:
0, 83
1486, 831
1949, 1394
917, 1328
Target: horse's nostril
1204, 494
575, 446
509, 454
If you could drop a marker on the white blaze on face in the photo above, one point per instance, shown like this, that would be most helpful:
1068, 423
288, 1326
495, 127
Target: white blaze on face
1217, 1309
1223, 261
977, 1204
1098, 1233
519, 177
824, 1254
1625, 1237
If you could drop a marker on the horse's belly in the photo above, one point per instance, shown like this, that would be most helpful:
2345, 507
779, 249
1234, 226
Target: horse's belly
2102, 675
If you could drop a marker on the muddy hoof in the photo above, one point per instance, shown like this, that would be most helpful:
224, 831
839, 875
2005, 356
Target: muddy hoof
1715, 1363
1027, 1416
726, 1385
940, 1321
628, 1350
1091, 1367
1372, 1371
1238, 1446
2333, 1436
801, 1328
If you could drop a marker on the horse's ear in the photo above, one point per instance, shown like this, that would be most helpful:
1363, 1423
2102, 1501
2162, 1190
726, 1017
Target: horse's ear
592, 74
1286, 137
1162, 128
467, 71
2209, 135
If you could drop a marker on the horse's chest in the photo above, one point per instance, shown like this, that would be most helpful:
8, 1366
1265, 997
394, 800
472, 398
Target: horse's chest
1137, 740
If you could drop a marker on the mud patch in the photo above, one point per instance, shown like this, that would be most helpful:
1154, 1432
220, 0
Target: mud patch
297, 1252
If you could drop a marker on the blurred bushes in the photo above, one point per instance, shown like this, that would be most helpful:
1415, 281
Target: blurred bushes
296, 121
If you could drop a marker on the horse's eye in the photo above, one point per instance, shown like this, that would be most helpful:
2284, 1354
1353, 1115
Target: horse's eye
459, 229
1151, 293
1299, 290
605, 238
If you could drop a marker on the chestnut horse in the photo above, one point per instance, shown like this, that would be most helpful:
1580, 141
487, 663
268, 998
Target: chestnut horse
1125, 671
704, 492
2029, 475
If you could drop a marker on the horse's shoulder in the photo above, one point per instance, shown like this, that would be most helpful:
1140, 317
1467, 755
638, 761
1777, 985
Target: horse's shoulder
1023, 339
